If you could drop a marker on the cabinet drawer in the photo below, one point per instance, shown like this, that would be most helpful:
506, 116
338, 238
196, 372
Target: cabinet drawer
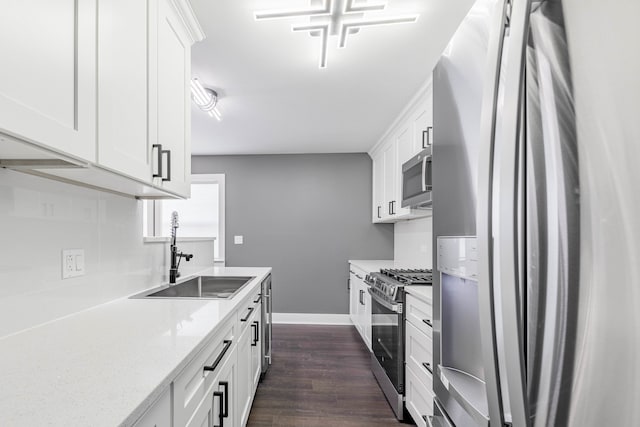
191, 384
419, 351
420, 314
247, 308
419, 398
360, 274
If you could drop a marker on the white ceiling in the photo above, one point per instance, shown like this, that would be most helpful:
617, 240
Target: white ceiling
273, 96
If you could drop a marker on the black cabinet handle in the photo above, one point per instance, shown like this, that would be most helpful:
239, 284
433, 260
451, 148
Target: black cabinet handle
349, 284
245, 318
359, 277
379, 207
427, 134
159, 148
361, 295
225, 384
427, 366
214, 365
256, 335
428, 322
220, 412
168, 153
258, 299
392, 207
254, 328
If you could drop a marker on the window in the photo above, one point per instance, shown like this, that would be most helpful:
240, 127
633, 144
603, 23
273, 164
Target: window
200, 217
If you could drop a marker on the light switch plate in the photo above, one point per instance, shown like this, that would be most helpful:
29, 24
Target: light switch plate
72, 263
238, 240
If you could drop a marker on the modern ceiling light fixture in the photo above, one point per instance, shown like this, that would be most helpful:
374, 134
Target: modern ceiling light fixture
206, 99
336, 18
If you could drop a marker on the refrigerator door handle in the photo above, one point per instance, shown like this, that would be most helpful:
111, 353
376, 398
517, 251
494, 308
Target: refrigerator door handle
508, 249
484, 214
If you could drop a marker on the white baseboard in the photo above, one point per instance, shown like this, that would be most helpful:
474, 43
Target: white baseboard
311, 319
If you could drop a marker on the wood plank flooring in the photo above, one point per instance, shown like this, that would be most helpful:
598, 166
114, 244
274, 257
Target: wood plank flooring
320, 376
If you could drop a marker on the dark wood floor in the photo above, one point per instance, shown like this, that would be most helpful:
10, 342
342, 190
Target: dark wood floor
320, 376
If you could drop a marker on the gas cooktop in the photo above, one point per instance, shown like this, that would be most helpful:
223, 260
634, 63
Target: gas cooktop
388, 282
410, 276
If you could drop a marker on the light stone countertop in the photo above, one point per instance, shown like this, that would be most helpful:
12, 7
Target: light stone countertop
105, 366
422, 292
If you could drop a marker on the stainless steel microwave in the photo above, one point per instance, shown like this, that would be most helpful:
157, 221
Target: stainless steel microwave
416, 181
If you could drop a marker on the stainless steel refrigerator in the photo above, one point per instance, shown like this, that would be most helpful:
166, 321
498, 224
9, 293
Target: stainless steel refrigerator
536, 216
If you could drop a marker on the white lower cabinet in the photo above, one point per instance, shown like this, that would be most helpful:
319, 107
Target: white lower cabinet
418, 399
249, 361
191, 386
360, 303
218, 406
418, 359
224, 375
256, 350
159, 415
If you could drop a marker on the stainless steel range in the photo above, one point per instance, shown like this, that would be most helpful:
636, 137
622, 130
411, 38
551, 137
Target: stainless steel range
387, 329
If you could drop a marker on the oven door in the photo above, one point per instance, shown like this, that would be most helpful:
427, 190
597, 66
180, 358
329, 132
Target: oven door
387, 339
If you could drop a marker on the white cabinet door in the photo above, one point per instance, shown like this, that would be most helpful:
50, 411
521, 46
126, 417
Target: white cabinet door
123, 86
353, 297
173, 119
422, 122
204, 414
256, 355
218, 406
390, 189
378, 187
366, 316
48, 75
227, 384
244, 375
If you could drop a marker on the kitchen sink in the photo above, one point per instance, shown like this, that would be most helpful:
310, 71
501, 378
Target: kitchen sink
205, 287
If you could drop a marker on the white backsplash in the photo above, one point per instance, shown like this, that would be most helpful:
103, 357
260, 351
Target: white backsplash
413, 243
40, 217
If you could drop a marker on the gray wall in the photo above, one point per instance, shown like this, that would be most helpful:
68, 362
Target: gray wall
304, 215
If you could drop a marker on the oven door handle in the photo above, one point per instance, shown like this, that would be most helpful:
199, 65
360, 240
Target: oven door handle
385, 304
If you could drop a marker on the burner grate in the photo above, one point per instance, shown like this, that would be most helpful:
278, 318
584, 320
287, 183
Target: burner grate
410, 276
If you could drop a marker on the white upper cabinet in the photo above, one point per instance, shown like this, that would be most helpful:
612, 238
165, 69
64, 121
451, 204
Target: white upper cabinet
390, 179
123, 87
378, 187
48, 74
402, 141
101, 86
404, 146
422, 123
173, 103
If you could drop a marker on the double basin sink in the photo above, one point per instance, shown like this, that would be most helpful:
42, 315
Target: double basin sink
204, 287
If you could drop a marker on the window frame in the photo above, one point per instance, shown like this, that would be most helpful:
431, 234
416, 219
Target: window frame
153, 231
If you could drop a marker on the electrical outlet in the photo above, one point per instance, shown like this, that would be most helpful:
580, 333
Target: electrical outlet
238, 240
72, 263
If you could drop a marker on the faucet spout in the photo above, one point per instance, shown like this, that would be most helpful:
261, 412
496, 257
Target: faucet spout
175, 255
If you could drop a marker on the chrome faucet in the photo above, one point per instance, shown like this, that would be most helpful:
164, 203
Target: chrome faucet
175, 255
